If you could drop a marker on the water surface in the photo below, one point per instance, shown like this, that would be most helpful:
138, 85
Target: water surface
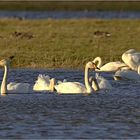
115, 114
70, 14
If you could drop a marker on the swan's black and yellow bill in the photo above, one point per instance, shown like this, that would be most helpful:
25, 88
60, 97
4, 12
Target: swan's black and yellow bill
95, 66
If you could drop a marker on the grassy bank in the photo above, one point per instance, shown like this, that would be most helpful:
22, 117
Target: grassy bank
66, 43
70, 5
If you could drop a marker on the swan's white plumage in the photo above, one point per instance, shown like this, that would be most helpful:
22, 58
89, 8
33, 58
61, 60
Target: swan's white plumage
70, 87
127, 75
11, 87
110, 66
76, 87
42, 83
102, 82
131, 58
14, 87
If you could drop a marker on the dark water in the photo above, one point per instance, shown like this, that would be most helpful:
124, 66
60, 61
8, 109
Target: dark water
70, 14
47, 115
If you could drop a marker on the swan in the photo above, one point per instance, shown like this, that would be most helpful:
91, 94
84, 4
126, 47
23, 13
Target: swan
127, 75
101, 82
43, 83
109, 67
76, 87
132, 58
12, 87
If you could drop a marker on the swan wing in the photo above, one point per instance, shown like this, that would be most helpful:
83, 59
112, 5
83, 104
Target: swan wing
14, 87
136, 58
127, 75
132, 59
70, 87
103, 83
42, 83
112, 66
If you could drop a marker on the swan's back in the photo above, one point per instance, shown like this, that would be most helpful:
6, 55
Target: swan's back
113, 66
42, 83
70, 87
127, 75
14, 87
103, 83
132, 59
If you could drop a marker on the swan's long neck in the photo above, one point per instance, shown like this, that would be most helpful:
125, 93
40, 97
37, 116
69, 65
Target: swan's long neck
88, 87
98, 60
95, 85
139, 69
52, 85
4, 81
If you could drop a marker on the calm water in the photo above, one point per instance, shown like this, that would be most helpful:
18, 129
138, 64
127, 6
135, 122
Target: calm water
69, 14
47, 115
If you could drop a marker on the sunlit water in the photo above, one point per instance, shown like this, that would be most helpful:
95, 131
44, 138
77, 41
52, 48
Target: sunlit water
115, 114
70, 14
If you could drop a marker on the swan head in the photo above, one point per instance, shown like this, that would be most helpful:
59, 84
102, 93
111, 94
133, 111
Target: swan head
92, 65
4, 62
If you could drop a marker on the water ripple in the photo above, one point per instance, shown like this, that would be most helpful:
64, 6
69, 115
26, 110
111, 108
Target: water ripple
48, 115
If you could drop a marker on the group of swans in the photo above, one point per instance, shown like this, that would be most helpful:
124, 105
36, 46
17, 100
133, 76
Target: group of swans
45, 83
127, 70
132, 59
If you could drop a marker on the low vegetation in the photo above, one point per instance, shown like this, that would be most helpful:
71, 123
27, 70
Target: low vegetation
66, 43
70, 5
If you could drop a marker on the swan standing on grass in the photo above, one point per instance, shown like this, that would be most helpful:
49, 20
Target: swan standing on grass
109, 67
12, 87
127, 75
132, 59
44, 83
76, 87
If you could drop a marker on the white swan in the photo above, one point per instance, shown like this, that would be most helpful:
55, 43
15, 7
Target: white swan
127, 75
12, 87
131, 58
109, 67
76, 87
101, 82
43, 83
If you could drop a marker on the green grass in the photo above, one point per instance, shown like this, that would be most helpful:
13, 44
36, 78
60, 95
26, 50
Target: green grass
70, 5
67, 43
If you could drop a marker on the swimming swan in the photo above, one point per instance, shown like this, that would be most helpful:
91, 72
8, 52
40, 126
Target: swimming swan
132, 58
109, 67
12, 87
101, 82
127, 75
76, 87
43, 83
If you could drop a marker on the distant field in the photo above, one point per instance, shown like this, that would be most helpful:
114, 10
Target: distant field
71, 5
65, 43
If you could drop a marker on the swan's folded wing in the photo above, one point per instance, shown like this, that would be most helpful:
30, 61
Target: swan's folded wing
14, 87
70, 87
